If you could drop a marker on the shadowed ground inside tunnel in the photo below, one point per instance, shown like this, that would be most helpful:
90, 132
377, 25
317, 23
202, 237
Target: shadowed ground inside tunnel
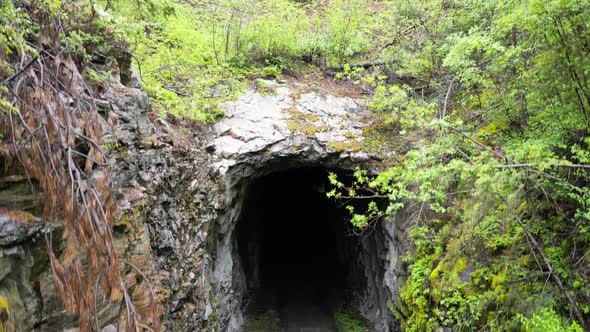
296, 250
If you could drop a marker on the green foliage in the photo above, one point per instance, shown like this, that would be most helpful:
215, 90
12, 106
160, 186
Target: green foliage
172, 53
193, 55
77, 42
345, 37
549, 321
500, 121
98, 77
15, 27
346, 321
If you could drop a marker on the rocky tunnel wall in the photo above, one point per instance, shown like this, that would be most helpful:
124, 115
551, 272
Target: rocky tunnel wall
281, 237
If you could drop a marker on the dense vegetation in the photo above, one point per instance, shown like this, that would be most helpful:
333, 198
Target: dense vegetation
487, 103
497, 177
194, 54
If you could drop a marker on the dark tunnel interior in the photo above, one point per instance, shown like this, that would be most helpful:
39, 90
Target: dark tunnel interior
295, 244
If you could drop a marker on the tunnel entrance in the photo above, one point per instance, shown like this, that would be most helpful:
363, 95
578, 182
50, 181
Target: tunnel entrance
296, 250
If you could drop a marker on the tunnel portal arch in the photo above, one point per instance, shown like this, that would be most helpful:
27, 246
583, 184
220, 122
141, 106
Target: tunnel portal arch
284, 246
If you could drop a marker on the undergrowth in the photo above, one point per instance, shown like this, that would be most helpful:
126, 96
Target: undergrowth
194, 55
491, 103
347, 321
267, 321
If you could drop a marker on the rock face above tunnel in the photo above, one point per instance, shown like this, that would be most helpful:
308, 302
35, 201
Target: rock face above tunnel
260, 127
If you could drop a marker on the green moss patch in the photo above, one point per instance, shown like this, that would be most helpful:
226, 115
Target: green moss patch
267, 321
348, 320
305, 123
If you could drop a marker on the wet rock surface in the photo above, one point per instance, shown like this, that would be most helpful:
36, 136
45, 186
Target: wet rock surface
284, 125
19, 253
